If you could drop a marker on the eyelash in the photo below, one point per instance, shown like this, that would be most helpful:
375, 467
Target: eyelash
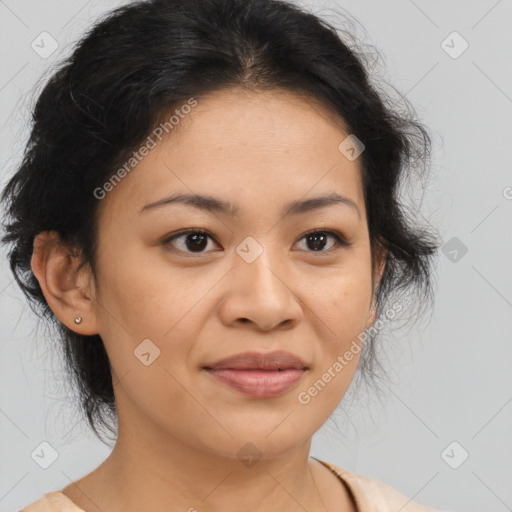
340, 239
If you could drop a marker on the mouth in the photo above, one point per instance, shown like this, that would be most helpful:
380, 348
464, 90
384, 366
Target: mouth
259, 375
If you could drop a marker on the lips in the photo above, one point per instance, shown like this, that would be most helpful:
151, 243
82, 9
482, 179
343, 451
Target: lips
259, 375
278, 360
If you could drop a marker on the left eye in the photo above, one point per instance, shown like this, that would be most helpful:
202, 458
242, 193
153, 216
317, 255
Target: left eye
196, 241
318, 239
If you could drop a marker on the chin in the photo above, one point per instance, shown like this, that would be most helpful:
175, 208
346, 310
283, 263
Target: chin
258, 439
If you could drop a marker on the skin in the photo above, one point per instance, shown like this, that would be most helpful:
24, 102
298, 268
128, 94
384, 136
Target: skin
179, 428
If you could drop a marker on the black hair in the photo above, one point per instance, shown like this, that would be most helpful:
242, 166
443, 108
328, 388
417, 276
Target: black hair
137, 64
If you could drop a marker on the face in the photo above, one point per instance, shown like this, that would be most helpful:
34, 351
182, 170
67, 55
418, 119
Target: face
263, 274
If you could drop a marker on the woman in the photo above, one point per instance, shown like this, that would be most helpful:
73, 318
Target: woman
207, 208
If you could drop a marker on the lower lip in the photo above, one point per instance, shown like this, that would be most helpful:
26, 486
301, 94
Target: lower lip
259, 383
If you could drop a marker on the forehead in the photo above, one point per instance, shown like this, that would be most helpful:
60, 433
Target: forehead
263, 146
269, 119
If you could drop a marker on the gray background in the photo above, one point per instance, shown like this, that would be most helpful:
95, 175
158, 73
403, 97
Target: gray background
451, 376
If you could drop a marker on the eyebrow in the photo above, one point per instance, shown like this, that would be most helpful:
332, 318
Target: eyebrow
213, 204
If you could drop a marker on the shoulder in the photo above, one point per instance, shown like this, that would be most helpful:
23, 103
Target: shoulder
373, 495
54, 501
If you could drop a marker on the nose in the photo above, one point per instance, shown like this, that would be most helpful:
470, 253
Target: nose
260, 294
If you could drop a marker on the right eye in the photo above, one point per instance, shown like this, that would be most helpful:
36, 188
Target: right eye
191, 241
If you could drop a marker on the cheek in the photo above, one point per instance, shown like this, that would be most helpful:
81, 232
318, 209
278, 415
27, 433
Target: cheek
342, 309
145, 298
141, 302
147, 323
342, 302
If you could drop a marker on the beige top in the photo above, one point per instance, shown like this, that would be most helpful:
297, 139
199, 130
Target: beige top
370, 496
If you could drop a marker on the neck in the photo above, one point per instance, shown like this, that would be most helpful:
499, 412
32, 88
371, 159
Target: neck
178, 477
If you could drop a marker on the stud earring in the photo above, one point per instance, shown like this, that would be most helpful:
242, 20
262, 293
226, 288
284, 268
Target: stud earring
78, 319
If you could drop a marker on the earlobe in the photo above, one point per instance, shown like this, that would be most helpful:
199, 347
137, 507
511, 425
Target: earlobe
66, 289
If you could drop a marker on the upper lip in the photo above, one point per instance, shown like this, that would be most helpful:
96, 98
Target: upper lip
278, 360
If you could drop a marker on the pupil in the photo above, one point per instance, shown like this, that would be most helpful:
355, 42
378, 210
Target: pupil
317, 237
199, 241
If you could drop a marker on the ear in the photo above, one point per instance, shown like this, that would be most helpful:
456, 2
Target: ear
380, 265
68, 292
